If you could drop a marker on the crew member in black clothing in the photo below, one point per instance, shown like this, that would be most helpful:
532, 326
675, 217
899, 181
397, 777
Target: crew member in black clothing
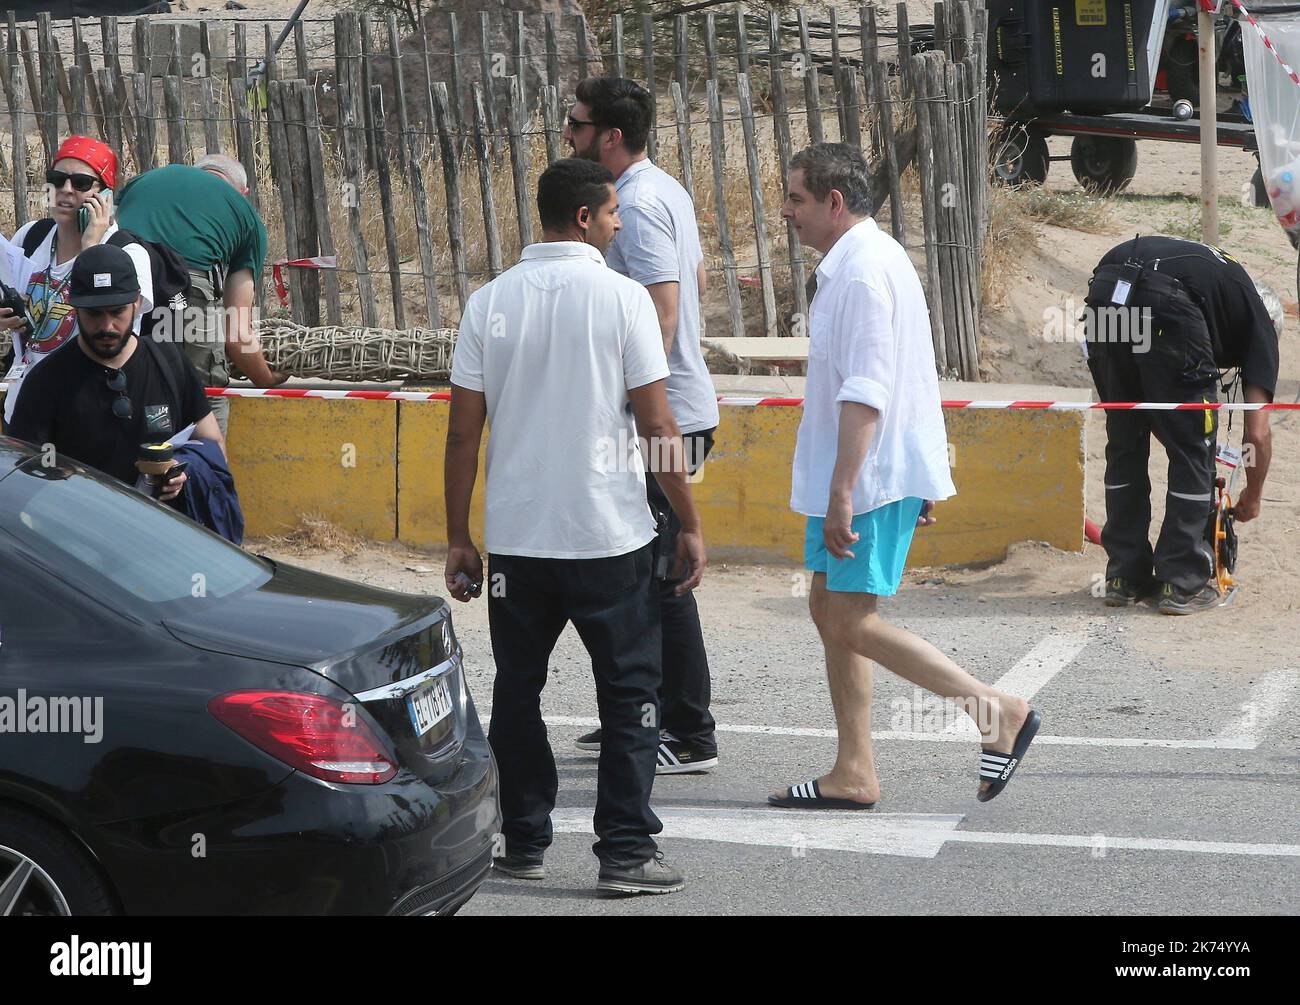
1166, 317
98, 400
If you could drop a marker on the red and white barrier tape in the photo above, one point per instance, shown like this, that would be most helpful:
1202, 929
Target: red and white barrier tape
728, 399
318, 262
1268, 42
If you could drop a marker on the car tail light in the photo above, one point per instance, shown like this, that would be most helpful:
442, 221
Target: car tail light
316, 735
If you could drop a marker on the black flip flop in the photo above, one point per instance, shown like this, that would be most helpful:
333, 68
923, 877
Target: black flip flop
997, 768
808, 796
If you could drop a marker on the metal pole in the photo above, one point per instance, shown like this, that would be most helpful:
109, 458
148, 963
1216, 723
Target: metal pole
1209, 128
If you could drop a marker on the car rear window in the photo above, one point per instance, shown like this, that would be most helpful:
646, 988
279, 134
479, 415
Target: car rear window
117, 545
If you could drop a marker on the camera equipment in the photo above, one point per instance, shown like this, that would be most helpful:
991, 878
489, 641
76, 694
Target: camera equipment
16, 302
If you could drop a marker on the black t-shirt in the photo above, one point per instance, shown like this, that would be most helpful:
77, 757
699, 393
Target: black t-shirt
1240, 328
65, 400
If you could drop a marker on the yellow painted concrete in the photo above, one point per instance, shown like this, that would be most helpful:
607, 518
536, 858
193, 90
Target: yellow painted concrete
334, 458
1019, 476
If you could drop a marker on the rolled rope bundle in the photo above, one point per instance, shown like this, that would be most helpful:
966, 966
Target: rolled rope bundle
336, 352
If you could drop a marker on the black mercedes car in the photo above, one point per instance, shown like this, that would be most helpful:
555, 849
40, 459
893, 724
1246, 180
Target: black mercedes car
186, 728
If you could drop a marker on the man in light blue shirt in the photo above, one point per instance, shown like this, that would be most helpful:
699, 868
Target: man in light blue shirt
870, 460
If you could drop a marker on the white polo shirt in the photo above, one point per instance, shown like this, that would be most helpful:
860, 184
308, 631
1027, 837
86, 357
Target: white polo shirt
870, 342
555, 343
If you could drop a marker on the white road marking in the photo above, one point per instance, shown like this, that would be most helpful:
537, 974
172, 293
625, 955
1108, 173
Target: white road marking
1223, 743
913, 835
1268, 697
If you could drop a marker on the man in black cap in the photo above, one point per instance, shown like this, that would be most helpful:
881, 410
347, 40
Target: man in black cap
1165, 317
98, 402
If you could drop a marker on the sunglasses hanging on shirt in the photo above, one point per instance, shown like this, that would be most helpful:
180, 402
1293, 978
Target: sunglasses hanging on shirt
116, 381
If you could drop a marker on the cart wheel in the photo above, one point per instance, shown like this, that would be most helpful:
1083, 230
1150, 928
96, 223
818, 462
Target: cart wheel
1258, 192
1103, 164
1020, 156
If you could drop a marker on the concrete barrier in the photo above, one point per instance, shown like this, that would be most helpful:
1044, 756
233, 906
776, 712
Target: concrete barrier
375, 469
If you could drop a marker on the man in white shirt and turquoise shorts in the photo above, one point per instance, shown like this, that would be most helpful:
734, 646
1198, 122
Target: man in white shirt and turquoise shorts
870, 461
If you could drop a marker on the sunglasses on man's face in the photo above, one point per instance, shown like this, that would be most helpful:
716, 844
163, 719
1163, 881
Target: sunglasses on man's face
81, 182
579, 123
116, 381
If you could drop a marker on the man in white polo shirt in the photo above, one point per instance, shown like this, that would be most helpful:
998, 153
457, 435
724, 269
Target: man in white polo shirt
870, 460
560, 353
659, 247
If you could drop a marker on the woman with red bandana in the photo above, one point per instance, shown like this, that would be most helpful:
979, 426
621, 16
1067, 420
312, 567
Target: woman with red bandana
83, 173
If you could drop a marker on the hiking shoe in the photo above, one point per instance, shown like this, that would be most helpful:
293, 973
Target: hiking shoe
1176, 601
589, 741
677, 757
651, 876
1125, 592
520, 867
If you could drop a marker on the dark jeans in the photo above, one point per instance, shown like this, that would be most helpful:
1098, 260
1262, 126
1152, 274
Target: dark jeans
1177, 367
612, 606
685, 694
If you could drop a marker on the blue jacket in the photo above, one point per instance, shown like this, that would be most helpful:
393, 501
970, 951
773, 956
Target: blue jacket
209, 495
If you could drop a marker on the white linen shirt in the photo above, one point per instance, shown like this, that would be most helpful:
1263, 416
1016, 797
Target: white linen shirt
869, 342
555, 344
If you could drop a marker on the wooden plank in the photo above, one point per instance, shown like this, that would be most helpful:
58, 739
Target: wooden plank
885, 117
955, 196
742, 40
925, 167
552, 55
141, 47
376, 130
281, 159
174, 56
320, 198
308, 227
651, 82
145, 138
112, 112
61, 74
852, 134
376, 102
399, 92
682, 116
17, 129
711, 45
941, 40
904, 55
77, 84
420, 198
352, 145
487, 194
735, 310
208, 106
33, 83
178, 147
811, 87
205, 53
521, 56
944, 214
620, 60
243, 123
457, 79
450, 152
841, 99
781, 124
300, 51
756, 201
10, 56
96, 101
49, 85
551, 123
519, 165
489, 90
427, 68
584, 56
113, 61
268, 55
681, 39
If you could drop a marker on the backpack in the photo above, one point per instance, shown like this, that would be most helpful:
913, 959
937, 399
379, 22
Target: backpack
169, 272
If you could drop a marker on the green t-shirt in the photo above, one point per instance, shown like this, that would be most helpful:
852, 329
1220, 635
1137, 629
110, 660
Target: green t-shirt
201, 217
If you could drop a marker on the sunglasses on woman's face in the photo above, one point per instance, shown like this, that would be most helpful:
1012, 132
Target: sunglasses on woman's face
81, 182
116, 381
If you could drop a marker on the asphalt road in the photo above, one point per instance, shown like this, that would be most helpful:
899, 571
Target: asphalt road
1156, 786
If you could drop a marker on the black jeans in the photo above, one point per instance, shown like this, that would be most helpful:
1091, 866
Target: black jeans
1177, 366
611, 604
685, 694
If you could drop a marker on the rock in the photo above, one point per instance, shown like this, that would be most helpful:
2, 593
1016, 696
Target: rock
234, 5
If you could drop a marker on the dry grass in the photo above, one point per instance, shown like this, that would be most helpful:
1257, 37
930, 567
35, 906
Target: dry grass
315, 534
1071, 210
1010, 238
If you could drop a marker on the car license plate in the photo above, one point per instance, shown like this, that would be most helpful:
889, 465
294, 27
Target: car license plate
429, 707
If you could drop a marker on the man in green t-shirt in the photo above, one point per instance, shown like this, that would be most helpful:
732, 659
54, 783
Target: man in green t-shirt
203, 214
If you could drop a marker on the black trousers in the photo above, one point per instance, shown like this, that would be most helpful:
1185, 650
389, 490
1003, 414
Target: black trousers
613, 607
686, 692
1177, 366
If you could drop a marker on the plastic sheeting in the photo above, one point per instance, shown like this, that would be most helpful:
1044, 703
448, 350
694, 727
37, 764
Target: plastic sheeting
1275, 108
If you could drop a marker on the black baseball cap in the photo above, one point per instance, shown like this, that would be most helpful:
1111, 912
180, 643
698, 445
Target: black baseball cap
103, 276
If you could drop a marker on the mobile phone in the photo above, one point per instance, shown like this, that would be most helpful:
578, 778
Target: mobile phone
177, 469
83, 213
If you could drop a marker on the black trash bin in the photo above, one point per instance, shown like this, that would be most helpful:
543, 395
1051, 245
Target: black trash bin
1073, 55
